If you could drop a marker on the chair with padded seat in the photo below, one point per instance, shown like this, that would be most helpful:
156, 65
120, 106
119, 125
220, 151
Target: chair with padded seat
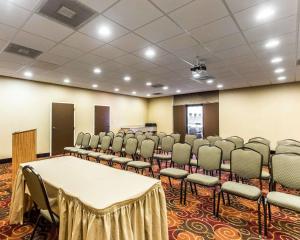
140, 139
288, 142
245, 164
145, 158
155, 138
137, 133
101, 135
181, 154
260, 139
39, 197
130, 151
148, 134
105, 144
238, 141
93, 146
160, 136
128, 135
84, 145
176, 136
77, 144
226, 146
190, 138
111, 134
213, 139
209, 158
288, 149
196, 145
115, 149
166, 150
286, 172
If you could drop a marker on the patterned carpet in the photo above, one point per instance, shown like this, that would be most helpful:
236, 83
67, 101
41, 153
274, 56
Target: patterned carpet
191, 222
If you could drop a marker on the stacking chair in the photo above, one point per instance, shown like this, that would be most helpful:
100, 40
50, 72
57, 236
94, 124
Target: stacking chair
238, 141
39, 197
111, 134
77, 144
260, 139
287, 149
105, 144
245, 164
120, 134
140, 139
130, 151
155, 138
166, 150
160, 135
210, 159
129, 132
146, 153
226, 146
84, 145
288, 142
213, 139
101, 135
197, 143
189, 138
181, 154
127, 136
286, 172
148, 134
93, 146
115, 149
176, 136
137, 133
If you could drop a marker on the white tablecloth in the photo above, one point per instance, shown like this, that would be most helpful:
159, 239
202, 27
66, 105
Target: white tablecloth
96, 201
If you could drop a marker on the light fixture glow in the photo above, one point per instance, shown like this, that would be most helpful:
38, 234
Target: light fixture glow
133, 92
281, 78
150, 53
209, 81
276, 60
265, 13
279, 70
97, 70
178, 91
104, 31
127, 78
148, 94
95, 85
67, 80
196, 75
220, 86
148, 83
117, 89
272, 43
165, 88
28, 74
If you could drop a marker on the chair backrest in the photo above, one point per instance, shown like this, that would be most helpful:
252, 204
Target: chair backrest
148, 134
155, 139
209, 157
181, 153
79, 139
137, 133
140, 139
111, 134
102, 134
167, 143
147, 148
226, 146
246, 163
94, 141
288, 142
189, 138
287, 149
129, 131
127, 136
86, 140
161, 135
117, 144
262, 148
213, 139
131, 146
286, 170
106, 141
260, 139
198, 143
238, 141
37, 189
176, 136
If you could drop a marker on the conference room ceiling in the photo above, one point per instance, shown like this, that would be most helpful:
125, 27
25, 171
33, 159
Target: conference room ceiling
152, 42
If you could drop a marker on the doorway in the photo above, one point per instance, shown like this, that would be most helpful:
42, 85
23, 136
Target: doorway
194, 116
62, 127
102, 119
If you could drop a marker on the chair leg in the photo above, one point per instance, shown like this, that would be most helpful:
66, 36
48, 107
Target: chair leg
151, 171
228, 199
158, 163
185, 187
269, 212
181, 190
196, 191
35, 227
214, 202
170, 183
259, 216
223, 198
265, 218
218, 206
191, 185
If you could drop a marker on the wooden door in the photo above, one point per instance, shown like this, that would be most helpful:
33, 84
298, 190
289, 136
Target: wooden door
210, 119
179, 120
102, 119
62, 125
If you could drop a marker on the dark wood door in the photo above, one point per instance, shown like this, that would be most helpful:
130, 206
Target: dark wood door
179, 120
211, 119
102, 119
62, 127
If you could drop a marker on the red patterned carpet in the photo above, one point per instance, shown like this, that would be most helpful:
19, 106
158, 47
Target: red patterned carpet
191, 222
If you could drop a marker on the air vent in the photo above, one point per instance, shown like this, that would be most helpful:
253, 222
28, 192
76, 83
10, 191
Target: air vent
157, 85
23, 51
71, 13
298, 62
157, 93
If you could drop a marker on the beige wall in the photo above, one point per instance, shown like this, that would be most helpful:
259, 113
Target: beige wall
25, 105
160, 111
272, 112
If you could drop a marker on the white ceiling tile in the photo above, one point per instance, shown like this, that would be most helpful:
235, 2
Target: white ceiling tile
238, 5
234, 52
190, 53
180, 42
92, 59
169, 5
109, 52
9, 67
52, 58
130, 42
82, 42
47, 28
98, 5
33, 41
159, 30
65, 51
215, 30
128, 59
12, 15
28, 4
45, 66
14, 58
133, 13
196, 13
7, 32
92, 29
227, 42
3, 45
247, 18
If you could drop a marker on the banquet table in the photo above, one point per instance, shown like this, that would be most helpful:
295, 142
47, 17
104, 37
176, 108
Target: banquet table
95, 201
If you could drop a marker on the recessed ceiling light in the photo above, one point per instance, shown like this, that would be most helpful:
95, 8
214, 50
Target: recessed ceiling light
28, 74
178, 91
148, 83
127, 78
279, 70
272, 43
196, 75
104, 31
276, 60
150, 53
281, 78
117, 89
165, 88
133, 92
220, 86
265, 13
209, 81
97, 70
95, 85
67, 80
148, 94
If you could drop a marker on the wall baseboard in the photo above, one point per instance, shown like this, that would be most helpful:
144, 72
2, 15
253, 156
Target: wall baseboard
39, 155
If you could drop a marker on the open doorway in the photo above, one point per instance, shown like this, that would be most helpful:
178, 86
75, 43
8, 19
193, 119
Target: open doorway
195, 120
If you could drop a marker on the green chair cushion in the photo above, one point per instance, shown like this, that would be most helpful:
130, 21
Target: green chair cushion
121, 160
74, 149
265, 175
107, 157
242, 190
68, 148
95, 154
193, 162
225, 167
139, 164
84, 152
163, 156
203, 179
174, 172
284, 200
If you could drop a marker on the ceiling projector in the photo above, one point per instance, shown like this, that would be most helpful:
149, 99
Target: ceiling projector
199, 70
